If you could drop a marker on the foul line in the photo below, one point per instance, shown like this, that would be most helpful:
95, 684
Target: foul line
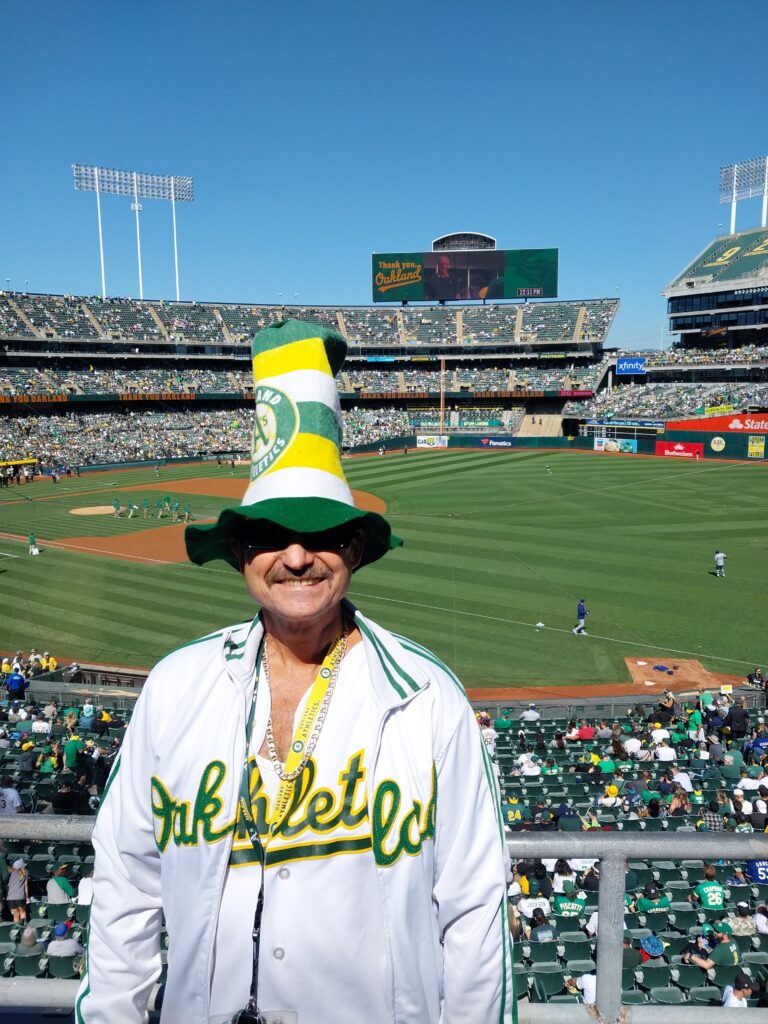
556, 629
5, 554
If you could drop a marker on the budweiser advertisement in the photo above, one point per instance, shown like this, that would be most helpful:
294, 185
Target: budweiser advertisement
680, 449
748, 423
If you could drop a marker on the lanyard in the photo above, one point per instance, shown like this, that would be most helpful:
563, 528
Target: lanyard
309, 717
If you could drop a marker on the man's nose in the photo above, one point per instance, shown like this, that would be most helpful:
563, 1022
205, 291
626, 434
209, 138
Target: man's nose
297, 557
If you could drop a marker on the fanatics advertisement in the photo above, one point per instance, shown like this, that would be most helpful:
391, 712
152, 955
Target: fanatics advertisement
432, 441
625, 446
746, 422
680, 449
495, 442
458, 275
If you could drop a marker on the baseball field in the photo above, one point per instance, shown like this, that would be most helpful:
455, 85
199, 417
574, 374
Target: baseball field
498, 550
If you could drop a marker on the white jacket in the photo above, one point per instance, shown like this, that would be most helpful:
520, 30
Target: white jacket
444, 908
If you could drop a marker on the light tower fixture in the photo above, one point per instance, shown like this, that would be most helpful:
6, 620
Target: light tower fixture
138, 185
745, 180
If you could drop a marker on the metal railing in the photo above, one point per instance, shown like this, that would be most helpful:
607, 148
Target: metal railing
611, 849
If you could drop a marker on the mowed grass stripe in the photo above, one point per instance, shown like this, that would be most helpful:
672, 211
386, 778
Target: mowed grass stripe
636, 537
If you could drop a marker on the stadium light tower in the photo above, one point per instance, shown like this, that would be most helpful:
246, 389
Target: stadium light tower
745, 180
137, 185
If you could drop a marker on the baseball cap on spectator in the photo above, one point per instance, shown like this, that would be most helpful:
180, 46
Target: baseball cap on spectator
652, 945
707, 929
612, 790
738, 792
723, 928
650, 890
742, 980
17, 864
61, 929
27, 746
742, 909
87, 710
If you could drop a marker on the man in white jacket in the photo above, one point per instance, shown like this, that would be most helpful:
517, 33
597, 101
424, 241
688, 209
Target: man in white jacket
305, 798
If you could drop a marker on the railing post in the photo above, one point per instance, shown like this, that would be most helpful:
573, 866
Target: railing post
610, 932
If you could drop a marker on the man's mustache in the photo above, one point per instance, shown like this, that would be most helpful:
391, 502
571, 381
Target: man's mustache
279, 574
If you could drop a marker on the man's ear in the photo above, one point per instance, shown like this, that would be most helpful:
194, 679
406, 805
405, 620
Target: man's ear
356, 549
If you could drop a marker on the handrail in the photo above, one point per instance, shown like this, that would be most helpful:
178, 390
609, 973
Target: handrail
611, 849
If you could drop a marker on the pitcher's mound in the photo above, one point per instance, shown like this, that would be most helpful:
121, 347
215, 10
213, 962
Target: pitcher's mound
93, 510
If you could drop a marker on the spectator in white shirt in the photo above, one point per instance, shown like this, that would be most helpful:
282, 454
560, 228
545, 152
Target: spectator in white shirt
664, 752
659, 733
682, 779
531, 714
63, 944
85, 888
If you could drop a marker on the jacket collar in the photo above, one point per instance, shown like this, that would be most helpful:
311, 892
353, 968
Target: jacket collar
395, 671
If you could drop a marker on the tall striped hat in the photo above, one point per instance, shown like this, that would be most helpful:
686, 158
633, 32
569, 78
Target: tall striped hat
296, 481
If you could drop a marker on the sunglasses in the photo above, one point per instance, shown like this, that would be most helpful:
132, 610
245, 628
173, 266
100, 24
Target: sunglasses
328, 540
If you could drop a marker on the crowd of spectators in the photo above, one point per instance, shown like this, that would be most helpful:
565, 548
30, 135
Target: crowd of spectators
680, 356
666, 401
91, 317
126, 436
699, 765
366, 426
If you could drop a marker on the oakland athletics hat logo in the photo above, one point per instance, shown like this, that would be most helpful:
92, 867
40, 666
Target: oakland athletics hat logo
297, 746
275, 426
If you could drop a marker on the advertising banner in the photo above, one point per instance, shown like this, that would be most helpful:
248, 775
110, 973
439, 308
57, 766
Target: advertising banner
654, 424
458, 275
495, 442
756, 446
715, 410
623, 445
748, 423
431, 441
680, 449
626, 365
574, 394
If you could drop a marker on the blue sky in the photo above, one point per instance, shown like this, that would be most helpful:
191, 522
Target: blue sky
319, 132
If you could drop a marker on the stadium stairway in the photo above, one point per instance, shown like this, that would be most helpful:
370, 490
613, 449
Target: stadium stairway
551, 426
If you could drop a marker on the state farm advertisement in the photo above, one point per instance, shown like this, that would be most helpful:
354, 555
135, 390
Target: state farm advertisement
749, 423
680, 449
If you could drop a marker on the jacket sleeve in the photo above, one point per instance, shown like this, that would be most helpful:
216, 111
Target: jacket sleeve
123, 958
470, 887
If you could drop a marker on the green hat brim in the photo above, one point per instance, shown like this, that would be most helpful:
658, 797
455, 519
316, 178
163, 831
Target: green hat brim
207, 543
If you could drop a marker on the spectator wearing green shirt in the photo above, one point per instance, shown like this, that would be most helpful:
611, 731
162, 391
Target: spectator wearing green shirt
709, 894
570, 902
652, 901
725, 952
516, 813
72, 748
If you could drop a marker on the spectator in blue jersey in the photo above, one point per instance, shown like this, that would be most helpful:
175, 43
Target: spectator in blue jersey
16, 684
757, 871
581, 614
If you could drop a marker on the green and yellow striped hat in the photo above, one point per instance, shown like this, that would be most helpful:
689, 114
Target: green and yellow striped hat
297, 481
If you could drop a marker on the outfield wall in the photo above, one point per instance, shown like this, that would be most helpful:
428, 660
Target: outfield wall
684, 444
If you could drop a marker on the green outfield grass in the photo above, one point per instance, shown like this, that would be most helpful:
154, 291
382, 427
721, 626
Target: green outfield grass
493, 545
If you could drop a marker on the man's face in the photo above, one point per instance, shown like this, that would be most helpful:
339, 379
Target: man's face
301, 579
443, 266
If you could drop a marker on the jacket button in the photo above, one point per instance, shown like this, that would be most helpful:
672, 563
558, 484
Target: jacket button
278, 952
283, 873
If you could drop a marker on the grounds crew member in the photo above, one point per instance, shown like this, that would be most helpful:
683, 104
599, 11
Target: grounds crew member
310, 739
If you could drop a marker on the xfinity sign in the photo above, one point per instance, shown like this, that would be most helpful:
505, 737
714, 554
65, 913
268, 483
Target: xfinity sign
627, 366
